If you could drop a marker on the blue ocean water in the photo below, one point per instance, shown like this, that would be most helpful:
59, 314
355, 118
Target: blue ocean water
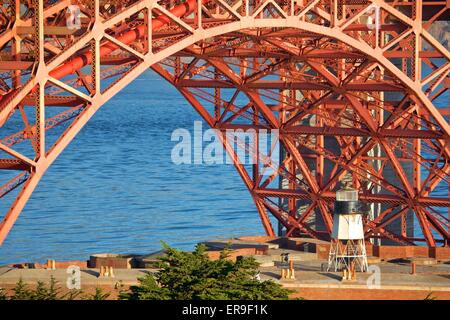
115, 188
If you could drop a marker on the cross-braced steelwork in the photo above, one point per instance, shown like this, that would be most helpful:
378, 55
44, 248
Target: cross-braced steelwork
352, 85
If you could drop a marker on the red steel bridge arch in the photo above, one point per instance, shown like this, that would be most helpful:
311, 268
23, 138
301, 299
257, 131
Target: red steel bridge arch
320, 71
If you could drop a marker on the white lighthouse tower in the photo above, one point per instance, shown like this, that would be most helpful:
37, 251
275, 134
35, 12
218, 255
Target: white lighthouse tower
347, 244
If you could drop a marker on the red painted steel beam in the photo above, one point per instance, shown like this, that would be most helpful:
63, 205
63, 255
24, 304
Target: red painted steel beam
330, 196
13, 164
297, 85
386, 133
15, 65
339, 131
50, 101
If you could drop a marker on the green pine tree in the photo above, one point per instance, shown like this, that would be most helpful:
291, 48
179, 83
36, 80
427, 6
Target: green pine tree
98, 295
53, 290
193, 276
41, 292
430, 296
147, 289
72, 294
21, 291
3, 295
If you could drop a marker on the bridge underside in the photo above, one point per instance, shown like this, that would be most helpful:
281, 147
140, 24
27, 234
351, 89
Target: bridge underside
357, 90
